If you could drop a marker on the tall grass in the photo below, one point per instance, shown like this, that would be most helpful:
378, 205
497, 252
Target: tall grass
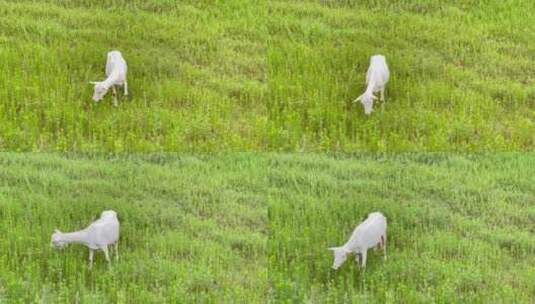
461, 75
278, 75
196, 75
460, 228
193, 229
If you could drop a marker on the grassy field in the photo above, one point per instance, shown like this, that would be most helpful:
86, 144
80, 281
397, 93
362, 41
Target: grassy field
461, 229
268, 75
462, 75
197, 75
193, 229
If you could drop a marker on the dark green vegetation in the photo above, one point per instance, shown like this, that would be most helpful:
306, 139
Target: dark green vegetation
193, 228
196, 75
462, 75
461, 229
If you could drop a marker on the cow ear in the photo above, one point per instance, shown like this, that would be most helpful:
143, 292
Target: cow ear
57, 231
331, 248
94, 82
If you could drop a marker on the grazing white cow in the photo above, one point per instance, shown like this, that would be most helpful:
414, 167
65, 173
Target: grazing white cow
369, 234
376, 79
116, 69
97, 236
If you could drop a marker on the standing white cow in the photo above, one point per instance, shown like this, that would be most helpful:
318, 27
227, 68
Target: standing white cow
369, 234
376, 79
116, 69
99, 235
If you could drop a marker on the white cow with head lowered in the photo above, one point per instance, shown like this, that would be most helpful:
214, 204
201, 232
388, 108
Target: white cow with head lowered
99, 235
116, 69
369, 234
376, 79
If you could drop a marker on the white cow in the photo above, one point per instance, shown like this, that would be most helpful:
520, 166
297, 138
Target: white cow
369, 234
376, 79
116, 69
97, 236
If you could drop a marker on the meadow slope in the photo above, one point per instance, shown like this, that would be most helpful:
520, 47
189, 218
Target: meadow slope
193, 229
461, 228
462, 75
196, 75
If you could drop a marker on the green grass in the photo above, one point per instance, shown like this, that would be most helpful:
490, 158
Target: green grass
461, 228
268, 75
462, 75
254, 228
193, 229
196, 75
